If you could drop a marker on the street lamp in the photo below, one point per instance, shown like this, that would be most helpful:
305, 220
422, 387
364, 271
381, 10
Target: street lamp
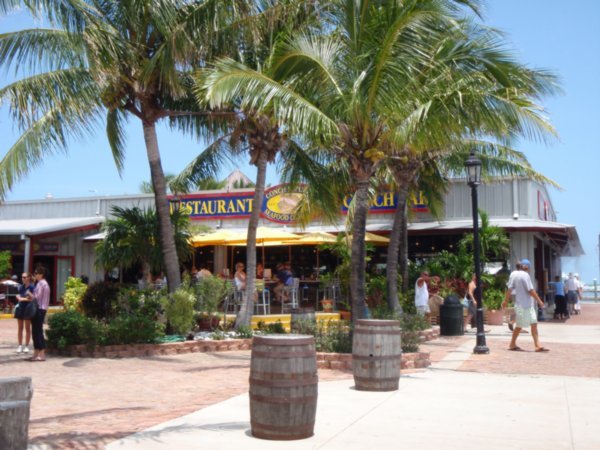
175, 201
473, 165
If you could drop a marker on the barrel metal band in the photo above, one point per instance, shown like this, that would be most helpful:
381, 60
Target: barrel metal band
359, 331
377, 357
283, 428
283, 400
376, 380
261, 340
284, 383
284, 355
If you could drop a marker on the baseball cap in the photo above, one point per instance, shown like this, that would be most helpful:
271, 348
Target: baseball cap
525, 262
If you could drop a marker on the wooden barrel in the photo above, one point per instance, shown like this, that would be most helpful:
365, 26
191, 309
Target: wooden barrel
376, 355
302, 317
15, 396
283, 387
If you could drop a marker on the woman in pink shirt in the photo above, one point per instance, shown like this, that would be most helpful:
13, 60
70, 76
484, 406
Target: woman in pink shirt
41, 294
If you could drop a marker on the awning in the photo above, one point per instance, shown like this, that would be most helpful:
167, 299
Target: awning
48, 227
564, 237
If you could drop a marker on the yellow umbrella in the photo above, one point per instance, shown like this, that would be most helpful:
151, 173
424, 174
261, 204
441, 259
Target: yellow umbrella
373, 238
264, 234
315, 238
218, 237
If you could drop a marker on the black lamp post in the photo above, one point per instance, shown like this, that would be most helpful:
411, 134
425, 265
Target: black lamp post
473, 165
175, 201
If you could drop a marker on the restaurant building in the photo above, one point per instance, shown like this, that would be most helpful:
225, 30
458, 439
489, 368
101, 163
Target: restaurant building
61, 233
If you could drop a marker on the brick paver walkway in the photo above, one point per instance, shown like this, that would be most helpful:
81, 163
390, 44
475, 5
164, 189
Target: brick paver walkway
86, 403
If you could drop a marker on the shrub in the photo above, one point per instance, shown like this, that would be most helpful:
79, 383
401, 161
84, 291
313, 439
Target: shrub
210, 292
73, 328
244, 332
272, 328
75, 289
333, 337
101, 299
411, 324
133, 329
179, 310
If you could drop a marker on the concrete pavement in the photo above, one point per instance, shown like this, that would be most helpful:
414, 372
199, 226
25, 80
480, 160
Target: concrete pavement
441, 407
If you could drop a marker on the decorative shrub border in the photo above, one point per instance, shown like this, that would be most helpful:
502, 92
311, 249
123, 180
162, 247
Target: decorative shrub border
337, 361
343, 361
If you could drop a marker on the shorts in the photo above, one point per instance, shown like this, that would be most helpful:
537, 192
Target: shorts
20, 309
525, 316
422, 310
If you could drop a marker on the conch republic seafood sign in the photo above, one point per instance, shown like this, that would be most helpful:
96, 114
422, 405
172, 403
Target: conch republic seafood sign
278, 205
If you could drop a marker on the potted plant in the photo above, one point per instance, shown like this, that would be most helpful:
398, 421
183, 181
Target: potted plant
492, 302
210, 292
327, 305
344, 310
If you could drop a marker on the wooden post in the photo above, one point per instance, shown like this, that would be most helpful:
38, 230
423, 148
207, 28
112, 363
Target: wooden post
15, 397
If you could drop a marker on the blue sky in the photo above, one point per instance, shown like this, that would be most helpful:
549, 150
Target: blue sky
550, 34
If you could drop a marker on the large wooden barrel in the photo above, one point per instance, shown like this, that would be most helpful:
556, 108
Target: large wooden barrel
302, 318
15, 397
376, 355
283, 387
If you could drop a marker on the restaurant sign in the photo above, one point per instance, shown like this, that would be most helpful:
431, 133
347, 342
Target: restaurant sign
279, 204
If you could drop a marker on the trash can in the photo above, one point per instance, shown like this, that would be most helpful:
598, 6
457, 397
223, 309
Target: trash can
451, 317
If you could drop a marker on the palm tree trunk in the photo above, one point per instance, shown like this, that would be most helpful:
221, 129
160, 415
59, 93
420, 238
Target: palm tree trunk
404, 247
396, 243
244, 316
167, 236
358, 257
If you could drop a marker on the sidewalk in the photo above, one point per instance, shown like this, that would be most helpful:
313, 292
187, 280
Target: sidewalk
502, 400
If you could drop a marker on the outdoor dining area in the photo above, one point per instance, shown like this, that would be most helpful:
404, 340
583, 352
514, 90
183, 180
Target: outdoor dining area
293, 270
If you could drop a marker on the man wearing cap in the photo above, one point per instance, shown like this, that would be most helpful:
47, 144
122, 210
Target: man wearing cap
520, 284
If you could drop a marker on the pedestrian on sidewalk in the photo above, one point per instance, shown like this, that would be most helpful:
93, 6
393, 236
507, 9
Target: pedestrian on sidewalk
23, 324
525, 311
41, 294
572, 288
560, 301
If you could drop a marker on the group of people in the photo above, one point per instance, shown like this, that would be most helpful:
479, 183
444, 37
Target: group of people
519, 289
283, 277
567, 296
33, 288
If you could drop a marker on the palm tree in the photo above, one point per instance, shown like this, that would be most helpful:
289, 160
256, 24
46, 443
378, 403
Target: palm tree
340, 90
473, 88
247, 132
133, 236
112, 60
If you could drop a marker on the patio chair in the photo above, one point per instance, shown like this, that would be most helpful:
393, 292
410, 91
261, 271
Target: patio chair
290, 296
263, 299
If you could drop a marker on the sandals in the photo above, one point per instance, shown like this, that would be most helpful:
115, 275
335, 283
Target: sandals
516, 349
542, 349
35, 359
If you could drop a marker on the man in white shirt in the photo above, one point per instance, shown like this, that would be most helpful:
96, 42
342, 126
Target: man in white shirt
572, 288
521, 286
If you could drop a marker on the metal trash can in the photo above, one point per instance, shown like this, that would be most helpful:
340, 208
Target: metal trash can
451, 317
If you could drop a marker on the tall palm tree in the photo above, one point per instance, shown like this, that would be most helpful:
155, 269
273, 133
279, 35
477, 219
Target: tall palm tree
474, 88
111, 60
248, 131
339, 90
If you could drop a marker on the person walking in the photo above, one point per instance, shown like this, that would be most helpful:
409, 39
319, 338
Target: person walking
560, 302
422, 295
572, 288
41, 295
525, 311
23, 297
